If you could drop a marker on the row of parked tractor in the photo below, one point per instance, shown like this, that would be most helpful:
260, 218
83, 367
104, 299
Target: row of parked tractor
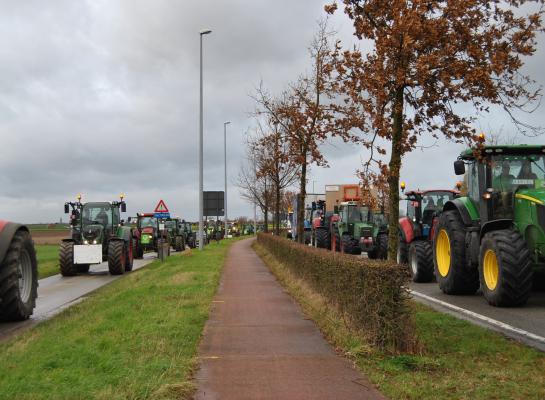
487, 234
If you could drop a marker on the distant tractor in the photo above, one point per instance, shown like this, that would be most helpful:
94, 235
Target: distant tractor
190, 236
321, 224
358, 229
175, 234
494, 237
148, 235
98, 235
18, 272
417, 230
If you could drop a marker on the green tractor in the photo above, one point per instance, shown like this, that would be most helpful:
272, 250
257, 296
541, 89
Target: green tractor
494, 237
190, 236
98, 235
358, 229
176, 234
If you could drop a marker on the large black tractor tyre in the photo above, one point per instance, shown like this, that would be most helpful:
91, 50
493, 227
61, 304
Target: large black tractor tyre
403, 251
129, 259
322, 239
82, 268
421, 261
139, 250
349, 245
381, 248
179, 243
117, 255
505, 268
66, 259
452, 272
18, 279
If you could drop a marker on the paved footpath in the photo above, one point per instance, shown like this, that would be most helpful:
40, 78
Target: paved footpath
258, 344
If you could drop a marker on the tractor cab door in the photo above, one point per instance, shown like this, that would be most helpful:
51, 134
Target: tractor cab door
116, 216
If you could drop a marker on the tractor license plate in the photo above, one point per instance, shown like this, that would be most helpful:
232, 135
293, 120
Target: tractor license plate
88, 254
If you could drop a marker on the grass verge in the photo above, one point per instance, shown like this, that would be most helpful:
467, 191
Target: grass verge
458, 360
135, 338
48, 260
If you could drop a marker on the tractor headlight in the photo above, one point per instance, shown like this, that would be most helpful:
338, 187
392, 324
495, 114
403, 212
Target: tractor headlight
95, 241
85, 241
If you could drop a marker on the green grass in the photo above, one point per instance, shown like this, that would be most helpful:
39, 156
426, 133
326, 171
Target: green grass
48, 260
458, 360
48, 227
133, 339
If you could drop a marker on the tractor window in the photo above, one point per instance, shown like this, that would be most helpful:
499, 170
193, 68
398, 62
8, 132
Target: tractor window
512, 172
473, 182
116, 216
148, 222
94, 213
357, 214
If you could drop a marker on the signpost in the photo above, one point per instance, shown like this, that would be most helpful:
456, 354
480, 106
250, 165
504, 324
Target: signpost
213, 204
161, 210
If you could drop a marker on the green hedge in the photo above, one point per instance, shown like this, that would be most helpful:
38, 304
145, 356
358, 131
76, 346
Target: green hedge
371, 295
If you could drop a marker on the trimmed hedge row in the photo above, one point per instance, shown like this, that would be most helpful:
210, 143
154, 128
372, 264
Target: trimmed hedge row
371, 295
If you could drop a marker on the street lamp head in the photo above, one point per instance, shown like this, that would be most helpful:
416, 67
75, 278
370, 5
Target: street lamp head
226, 122
205, 32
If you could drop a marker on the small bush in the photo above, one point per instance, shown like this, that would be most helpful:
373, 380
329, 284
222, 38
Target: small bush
371, 295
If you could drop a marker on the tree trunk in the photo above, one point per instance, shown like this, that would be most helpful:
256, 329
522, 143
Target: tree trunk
393, 178
301, 203
277, 210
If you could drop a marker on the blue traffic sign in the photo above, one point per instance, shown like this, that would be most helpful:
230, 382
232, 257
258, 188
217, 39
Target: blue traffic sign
162, 215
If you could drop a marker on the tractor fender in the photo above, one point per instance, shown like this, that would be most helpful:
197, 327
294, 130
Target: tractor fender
124, 233
462, 210
406, 229
495, 225
7, 230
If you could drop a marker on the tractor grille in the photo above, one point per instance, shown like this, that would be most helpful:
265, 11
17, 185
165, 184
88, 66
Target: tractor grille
366, 232
541, 215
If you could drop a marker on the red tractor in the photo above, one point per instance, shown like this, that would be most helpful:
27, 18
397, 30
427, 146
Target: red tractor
417, 230
18, 272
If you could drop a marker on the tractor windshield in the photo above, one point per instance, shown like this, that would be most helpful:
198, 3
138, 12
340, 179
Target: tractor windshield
357, 214
511, 172
148, 222
97, 214
433, 202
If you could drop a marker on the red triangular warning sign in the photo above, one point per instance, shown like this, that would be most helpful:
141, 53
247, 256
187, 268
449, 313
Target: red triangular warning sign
161, 207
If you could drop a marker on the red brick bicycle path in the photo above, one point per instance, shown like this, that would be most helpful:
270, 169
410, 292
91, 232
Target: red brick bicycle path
258, 344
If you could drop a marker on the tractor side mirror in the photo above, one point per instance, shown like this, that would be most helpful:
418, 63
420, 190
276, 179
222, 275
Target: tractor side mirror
123, 207
66, 208
459, 167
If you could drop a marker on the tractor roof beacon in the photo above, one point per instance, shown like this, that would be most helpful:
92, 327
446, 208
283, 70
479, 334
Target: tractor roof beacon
494, 236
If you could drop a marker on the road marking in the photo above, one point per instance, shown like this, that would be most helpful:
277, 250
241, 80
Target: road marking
488, 320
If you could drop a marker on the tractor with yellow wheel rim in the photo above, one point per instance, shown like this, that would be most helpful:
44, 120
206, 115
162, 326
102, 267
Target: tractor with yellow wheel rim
493, 236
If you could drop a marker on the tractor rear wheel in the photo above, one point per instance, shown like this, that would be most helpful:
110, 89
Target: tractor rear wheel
505, 268
381, 248
322, 239
421, 261
18, 279
66, 259
82, 268
179, 244
116, 257
139, 250
129, 260
449, 256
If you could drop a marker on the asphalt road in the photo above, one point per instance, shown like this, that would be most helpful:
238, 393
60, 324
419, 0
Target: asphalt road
56, 293
525, 324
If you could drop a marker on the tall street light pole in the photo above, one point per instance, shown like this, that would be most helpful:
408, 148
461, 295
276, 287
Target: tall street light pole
201, 205
225, 161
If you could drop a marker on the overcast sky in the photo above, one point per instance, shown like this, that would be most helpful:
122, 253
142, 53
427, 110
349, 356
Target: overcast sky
101, 97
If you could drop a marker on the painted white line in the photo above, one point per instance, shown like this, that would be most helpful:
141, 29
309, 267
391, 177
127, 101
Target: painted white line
488, 320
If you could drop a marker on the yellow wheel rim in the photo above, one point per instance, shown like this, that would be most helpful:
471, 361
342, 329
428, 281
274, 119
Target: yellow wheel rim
491, 269
442, 252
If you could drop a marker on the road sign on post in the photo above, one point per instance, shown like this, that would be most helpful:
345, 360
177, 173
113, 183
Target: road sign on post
213, 204
161, 210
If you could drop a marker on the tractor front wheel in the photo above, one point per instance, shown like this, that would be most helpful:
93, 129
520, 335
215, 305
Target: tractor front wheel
449, 256
402, 257
179, 244
116, 257
381, 248
18, 279
421, 261
66, 259
505, 268
129, 259
322, 239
